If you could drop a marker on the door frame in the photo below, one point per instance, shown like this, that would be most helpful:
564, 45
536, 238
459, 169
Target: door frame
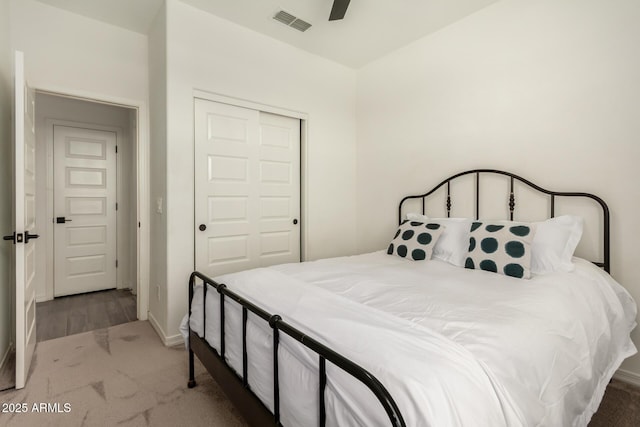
141, 146
50, 202
304, 141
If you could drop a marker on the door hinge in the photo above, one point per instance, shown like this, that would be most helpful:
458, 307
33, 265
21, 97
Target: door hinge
116, 206
116, 148
116, 263
138, 224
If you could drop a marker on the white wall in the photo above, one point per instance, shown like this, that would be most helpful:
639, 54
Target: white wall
158, 172
209, 53
72, 54
5, 176
546, 89
49, 107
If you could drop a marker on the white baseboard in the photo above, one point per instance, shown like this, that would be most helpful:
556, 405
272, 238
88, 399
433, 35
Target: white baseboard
156, 326
169, 341
174, 340
627, 377
42, 298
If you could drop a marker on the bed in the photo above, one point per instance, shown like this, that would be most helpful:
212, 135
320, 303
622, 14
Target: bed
406, 338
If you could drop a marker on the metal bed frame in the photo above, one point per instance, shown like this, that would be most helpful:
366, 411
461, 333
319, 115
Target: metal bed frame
605, 264
236, 385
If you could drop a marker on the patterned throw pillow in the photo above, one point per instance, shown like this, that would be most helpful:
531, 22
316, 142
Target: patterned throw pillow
415, 240
501, 247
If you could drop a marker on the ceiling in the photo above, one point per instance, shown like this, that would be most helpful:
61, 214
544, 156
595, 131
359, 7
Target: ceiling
370, 29
134, 15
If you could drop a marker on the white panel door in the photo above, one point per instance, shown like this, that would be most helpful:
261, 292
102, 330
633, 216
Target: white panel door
247, 188
24, 222
84, 209
279, 189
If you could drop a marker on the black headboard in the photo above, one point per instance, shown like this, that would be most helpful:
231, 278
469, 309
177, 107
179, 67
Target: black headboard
511, 202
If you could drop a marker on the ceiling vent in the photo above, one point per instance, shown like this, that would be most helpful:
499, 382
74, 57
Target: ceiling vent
291, 21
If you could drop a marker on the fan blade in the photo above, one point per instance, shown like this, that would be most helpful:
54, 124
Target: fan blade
338, 9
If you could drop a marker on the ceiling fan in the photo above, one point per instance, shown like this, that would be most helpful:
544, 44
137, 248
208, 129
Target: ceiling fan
338, 9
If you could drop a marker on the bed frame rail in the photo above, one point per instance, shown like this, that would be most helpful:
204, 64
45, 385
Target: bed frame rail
219, 369
606, 262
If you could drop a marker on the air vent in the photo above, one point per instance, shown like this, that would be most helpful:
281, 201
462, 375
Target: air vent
300, 25
291, 21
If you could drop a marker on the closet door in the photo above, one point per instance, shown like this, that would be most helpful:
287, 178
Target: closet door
247, 188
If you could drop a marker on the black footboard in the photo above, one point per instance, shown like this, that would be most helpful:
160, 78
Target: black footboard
236, 387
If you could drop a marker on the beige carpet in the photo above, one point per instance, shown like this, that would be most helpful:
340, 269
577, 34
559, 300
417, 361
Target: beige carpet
119, 376
124, 376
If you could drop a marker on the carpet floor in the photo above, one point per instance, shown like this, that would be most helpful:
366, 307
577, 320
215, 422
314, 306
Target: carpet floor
118, 376
620, 407
125, 376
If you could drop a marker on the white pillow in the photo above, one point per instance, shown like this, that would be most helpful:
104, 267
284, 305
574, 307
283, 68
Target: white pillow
554, 243
453, 244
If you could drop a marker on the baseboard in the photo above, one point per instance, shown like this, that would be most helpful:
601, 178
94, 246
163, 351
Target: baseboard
174, 340
156, 326
169, 341
627, 377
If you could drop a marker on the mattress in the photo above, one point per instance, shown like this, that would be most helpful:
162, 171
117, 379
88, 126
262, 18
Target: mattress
453, 346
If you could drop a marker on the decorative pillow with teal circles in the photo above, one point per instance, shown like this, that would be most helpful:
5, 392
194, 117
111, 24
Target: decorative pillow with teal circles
415, 240
501, 247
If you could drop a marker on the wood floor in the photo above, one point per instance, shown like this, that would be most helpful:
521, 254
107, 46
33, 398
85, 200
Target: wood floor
85, 312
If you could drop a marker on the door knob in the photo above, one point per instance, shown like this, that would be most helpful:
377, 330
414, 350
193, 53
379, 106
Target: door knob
28, 236
14, 238
202, 227
295, 221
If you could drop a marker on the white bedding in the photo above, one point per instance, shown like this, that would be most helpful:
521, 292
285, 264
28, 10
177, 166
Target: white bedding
454, 347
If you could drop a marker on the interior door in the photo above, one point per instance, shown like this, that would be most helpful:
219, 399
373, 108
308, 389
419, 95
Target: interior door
247, 188
24, 222
85, 210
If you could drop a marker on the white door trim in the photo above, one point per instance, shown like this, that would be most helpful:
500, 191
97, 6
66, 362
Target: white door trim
304, 143
142, 146
252, 105
50, 204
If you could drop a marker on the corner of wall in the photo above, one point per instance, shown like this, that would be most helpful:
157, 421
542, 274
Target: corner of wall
157, 51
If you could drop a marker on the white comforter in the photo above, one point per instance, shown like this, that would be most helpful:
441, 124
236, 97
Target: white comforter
454, 347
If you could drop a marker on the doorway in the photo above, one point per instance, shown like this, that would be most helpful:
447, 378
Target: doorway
71, 110
88, 199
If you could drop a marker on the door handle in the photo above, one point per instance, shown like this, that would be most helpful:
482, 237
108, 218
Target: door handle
202, 227
61, 220
28, 236
15, 238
